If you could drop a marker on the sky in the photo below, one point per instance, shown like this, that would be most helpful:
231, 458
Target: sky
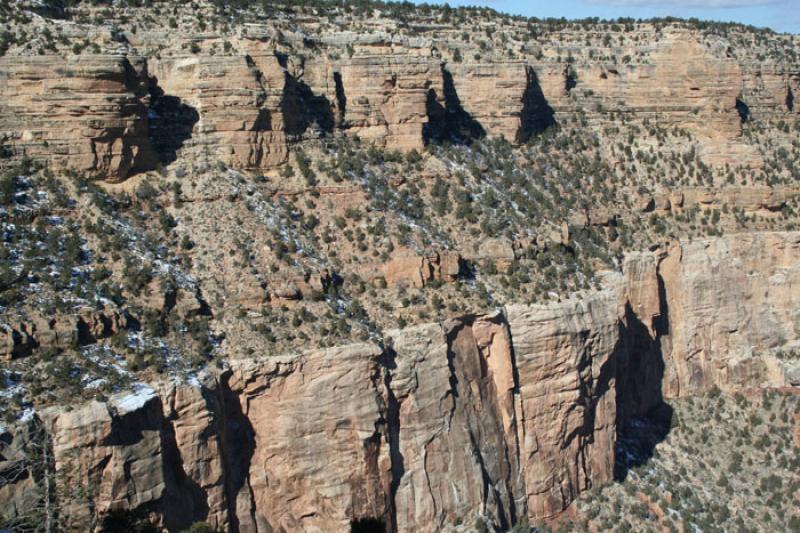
780, 15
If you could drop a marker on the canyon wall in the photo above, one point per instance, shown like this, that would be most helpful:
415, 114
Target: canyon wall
494, 416
565, 357
723, 310
118, 114
432, 430
87, 113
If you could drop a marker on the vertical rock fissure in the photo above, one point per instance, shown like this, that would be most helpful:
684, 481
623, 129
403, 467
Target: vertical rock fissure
392, 415
643, 417
488, 485
450, 337
519, 416
237, 445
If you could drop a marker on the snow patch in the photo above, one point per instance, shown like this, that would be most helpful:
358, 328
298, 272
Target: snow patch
127, 403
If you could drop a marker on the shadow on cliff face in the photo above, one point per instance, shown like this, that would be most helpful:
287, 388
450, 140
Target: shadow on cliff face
368, 525
388, 361
170, 123
537, 116
449, 122
183, 501
644, 419
303, 110
238, 445
186, 501
743, 109
477, 412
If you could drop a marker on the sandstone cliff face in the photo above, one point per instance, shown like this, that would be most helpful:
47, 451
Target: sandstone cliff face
495, 416
493, 94
434, 431
229, 105
714, 313
86, 113
674, 79
566, 363
770, 88
456, 450
310, 439
732, 302
383, 99
87, 325
683, 83
109, 113
150, 450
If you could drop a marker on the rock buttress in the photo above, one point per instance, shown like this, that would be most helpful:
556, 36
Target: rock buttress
454, 387
566, 411
317, 457
727, 307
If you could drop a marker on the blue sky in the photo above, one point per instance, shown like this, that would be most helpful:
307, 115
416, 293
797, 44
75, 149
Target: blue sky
780, 15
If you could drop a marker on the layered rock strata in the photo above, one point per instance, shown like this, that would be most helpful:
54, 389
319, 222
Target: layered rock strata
495, 416
727, 307
109, 114
88, 113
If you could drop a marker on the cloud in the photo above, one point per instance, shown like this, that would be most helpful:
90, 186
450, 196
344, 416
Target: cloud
707, 4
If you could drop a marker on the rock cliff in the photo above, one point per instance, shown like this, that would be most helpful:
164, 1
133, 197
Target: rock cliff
84, 113
494, 417
375, 269
719, 312
111, 113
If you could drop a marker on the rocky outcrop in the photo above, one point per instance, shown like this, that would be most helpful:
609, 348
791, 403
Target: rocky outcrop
761, 200
151, 451
86, 113
770, 89
565, 357
492, 94
116, 114
86, 325
309, 441
452, 399
716, 312
238, 99
418, 271
681, 81
383, 98
432, 431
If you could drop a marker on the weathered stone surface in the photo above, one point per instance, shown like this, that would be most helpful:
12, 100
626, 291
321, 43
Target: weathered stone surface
19, 492
112, 453
499, 251
565, 359
386, 98
86, 325
453, 392
86, 113
764, 201
312, 440
727, 305
493, 94
683, 82
110, 114
413, 270
239, 100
